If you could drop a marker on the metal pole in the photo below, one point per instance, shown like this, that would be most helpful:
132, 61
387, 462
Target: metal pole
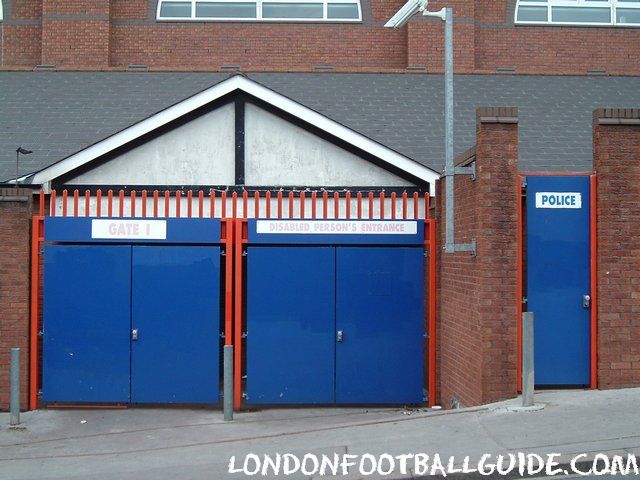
528, 373
14, 401
17, 169
449, 169
228, 382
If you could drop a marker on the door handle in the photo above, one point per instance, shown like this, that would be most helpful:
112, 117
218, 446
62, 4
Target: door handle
134, 334
340, 336
586, 301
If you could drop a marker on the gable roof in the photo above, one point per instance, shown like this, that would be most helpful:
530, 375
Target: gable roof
209, 95
56, 114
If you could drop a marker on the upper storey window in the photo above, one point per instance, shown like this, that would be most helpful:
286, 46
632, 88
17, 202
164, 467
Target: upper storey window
266, 10
579, 12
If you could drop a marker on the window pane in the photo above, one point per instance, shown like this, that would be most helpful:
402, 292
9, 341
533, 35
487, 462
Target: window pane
581, 14
342, 10
532, 14
175, 9
226, 10
291, 10
628, 15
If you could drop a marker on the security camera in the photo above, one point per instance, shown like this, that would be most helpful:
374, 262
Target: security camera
406, 12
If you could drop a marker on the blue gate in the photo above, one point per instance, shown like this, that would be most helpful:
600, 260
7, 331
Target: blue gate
335, 312
558, 277
131, 310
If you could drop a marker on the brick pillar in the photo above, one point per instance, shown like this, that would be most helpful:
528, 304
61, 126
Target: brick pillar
616, 150
15, 238
478, 295
76, 33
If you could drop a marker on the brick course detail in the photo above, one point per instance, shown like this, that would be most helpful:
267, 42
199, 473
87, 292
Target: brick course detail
105, 34
477, 309
15, 235
616, 145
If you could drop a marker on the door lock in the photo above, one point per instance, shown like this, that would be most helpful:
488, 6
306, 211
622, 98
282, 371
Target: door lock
340, 336
134, 334
586, 301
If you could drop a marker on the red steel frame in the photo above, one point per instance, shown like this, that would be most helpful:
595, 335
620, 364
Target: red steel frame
593, 260
234, 239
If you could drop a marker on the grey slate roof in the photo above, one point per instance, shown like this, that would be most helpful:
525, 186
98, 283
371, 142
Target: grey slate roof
55, 114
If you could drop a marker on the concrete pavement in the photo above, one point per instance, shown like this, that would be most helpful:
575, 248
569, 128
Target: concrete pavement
197, 444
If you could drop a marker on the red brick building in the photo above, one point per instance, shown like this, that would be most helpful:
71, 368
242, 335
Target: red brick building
119, 34
117, 95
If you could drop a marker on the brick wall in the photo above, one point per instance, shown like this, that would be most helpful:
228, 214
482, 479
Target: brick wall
616, 144
15, 239
477, 309
114, 34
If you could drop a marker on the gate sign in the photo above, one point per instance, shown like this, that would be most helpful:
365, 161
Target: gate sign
324, 227
558, 200
129, 229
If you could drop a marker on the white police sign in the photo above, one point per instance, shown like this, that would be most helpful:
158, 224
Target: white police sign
558, 200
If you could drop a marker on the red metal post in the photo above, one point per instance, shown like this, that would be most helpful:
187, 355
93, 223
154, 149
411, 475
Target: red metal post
325, 202
99, 203
52, 204
519, 281
336, 205
178, 202
234, 204
393, 205
382, 205
237, 348
405, 207
347, 201
64, 202
302, 200
110, 203
279, 204
212, 204
87, 202
121, 203
432, 312
189, 203
267, 202
144, 203
370, 205
359, 208
76, 197
594, 279
133, 203
37, 227
314, 197
156, 194
416, 206
200, 204
291, 199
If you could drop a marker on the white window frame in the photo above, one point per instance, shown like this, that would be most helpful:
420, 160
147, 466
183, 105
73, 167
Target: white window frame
258, 17
611, 5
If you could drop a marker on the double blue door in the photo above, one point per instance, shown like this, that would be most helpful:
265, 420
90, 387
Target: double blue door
334, 325
558, 278
135, 324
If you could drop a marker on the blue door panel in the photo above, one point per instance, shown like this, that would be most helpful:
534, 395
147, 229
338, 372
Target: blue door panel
290, 325
379, 309
558, 275
86, 323
176, 310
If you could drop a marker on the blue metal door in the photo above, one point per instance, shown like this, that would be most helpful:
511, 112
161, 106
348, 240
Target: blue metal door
558, 277
176, 319
86, 323
379, 322
290, 325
